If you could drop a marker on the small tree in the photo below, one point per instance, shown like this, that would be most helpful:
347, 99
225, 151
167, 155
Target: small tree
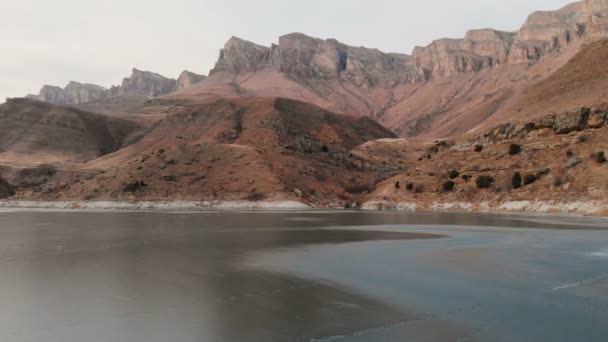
514, 149
453, 174
478, 148
448, 186
484, 182
516, 181
529, 179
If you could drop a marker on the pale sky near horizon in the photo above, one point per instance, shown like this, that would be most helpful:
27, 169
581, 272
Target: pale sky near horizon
99, 41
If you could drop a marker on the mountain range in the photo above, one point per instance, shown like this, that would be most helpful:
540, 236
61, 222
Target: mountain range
328, 124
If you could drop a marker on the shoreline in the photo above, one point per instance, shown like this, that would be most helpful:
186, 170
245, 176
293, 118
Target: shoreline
154, 205
576, 208
579, 208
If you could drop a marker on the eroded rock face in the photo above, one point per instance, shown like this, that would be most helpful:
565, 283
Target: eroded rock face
73, 93
306, 57
562, 123
52, 94
239, 56
147, 83
187, 79
139, 83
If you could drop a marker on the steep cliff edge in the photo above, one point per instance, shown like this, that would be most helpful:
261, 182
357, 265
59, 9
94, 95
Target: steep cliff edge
443, 89
143, 83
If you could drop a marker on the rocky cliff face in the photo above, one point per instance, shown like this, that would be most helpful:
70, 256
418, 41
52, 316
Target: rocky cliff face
147, 83
304, 57
187, 79
139, 83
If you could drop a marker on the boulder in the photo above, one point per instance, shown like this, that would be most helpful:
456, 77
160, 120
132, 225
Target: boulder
598, 118
571, 121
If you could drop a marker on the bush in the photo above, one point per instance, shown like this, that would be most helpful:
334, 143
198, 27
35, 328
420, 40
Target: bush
44, 170
478, 148
558, 182
324, 149
134, 186
484, 182
35, 176
529, 179
415, 188
467, 177
453, 174
397, 185
516, 181
514, 149
256, 196
6, 190
448, 186
599, 157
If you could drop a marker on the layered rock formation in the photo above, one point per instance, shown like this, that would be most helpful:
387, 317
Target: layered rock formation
187, 79
144, 83
74, 92
488, 71
305, 57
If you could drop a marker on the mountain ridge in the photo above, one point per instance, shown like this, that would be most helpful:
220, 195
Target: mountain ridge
140, 82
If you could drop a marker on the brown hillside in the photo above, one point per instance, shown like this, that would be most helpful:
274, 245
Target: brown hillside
583, 81
33, 132
247, 149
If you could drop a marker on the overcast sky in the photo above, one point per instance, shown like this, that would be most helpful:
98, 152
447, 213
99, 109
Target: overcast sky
99, 41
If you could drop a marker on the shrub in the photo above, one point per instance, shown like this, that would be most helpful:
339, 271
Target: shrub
529, 179
409, 186
484, 182
516, 181
44, 170
134, 186
324, 149
467, 177
397, 185
448, 186
256, 196
558, 182
599, 157
514, 149
453, 174
478, 148
6, 190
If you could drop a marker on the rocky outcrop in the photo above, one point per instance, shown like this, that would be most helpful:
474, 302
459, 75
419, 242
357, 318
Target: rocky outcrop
303, 57
240, 56
187, 79
562, 123
144, 83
